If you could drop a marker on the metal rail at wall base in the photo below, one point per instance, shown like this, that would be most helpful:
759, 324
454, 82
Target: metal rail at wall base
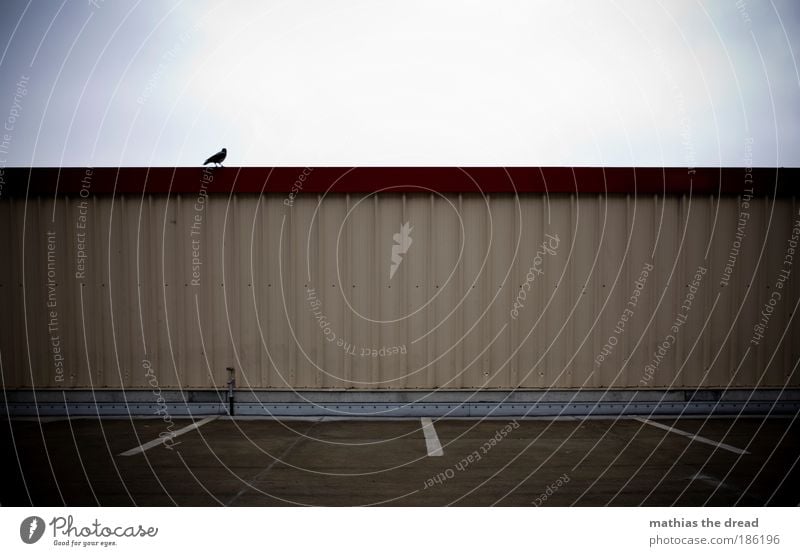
400, 403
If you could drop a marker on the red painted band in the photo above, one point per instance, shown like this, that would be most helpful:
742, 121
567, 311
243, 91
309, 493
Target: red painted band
19, 182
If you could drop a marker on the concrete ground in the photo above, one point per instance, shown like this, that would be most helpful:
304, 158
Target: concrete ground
250, 462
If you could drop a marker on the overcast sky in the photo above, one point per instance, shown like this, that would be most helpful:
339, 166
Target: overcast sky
627, 83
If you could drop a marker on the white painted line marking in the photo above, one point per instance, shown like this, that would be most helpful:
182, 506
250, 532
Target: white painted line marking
161, 439
713, 481
431, 440
693, 437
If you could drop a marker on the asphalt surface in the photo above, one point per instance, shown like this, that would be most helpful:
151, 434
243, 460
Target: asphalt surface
258, 462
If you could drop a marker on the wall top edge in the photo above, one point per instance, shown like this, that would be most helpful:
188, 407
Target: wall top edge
22, 182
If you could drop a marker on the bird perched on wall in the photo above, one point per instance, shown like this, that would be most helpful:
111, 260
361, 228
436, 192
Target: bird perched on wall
217, 158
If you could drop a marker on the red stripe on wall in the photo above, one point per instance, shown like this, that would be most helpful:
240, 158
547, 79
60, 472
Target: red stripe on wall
19, 182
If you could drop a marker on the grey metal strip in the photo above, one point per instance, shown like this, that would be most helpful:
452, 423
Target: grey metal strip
382, 410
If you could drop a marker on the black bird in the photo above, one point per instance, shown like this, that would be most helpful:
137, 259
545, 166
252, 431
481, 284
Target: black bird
217, 158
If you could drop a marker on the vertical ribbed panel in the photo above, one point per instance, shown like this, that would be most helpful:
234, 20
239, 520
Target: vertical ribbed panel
303, 296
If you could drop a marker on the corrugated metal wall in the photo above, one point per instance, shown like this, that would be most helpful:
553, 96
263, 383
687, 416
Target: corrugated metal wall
173, 290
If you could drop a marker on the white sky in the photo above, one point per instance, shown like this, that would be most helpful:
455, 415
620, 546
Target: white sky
629, 83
